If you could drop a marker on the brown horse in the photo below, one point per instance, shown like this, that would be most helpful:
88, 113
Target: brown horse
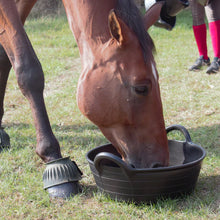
118, 88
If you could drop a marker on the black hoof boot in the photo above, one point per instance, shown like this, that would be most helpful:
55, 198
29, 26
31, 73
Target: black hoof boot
65, 190
4, 139
61, 178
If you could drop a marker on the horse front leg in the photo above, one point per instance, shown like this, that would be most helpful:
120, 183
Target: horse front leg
24, 7
31, 82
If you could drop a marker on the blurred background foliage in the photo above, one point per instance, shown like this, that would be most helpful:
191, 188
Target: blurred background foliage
55, 7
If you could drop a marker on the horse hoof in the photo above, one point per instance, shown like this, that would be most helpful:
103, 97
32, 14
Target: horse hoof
61, 178
4, 139
65, 190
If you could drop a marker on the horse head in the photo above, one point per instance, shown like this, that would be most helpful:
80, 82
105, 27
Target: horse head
119, 92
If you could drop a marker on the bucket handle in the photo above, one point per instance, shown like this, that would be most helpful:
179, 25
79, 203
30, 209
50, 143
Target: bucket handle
113, 158
180, 128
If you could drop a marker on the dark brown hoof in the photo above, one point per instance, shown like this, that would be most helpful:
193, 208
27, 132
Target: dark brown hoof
4, 139
65, 190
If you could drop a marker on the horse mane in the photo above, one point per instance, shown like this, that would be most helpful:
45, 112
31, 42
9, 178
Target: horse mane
130, 14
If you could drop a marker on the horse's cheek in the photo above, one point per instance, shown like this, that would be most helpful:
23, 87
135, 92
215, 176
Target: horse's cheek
88, 103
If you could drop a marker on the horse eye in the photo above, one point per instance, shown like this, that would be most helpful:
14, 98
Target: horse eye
141, 90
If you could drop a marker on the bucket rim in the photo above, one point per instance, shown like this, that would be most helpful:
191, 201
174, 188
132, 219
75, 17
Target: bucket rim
158, 169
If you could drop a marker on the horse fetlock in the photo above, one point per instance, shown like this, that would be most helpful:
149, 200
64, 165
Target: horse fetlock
48, 150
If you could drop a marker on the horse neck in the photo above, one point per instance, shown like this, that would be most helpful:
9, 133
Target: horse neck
88, 21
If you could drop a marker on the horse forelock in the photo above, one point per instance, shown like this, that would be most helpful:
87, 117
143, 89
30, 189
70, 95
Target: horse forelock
130, 14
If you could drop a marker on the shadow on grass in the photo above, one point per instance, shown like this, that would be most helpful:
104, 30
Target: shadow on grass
206, 195
207, 192
89, 190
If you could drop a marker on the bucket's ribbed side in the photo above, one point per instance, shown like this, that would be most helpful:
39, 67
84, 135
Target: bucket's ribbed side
148, 187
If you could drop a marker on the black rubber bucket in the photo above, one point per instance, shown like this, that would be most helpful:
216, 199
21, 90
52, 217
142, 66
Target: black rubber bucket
124, 183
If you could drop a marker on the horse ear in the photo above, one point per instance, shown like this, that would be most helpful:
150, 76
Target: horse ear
115, 27
152, 14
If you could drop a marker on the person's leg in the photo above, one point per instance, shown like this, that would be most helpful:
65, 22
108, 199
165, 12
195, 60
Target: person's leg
199, 30
213, 15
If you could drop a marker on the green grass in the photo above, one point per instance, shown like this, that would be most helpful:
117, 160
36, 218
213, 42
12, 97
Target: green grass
189, 98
